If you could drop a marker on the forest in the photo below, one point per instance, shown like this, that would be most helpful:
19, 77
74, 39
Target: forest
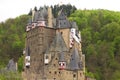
100, 32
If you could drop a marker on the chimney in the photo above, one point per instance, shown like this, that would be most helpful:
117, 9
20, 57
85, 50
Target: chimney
50, 18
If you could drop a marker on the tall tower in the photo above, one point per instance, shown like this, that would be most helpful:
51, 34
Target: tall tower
53, 52
50, 17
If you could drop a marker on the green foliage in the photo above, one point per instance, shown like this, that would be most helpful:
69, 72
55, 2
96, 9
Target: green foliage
116, 75
20, 63
100, 31
68, 9
89, 74
12, 39
8, 75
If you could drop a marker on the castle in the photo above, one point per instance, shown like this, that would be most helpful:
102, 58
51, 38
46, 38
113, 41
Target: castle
53, 48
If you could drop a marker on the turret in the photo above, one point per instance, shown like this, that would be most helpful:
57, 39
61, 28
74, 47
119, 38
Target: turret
62, 21
75, 34
50, 17
42, 21
75, 62
62, 62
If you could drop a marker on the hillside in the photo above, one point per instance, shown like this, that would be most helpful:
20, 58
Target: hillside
12, 38
100, 31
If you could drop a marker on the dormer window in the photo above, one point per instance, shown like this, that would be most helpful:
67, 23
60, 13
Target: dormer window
62, 65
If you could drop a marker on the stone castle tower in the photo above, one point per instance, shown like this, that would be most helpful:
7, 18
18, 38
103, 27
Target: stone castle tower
53, 48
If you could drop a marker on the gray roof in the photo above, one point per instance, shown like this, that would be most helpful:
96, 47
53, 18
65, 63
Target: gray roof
44, 12
74, 25
11, 65
62, 21
61, 56
75, 62
36, 16
40, 15
58, 44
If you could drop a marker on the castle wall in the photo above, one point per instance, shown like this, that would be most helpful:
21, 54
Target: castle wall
38, 39
49, 34
66, 35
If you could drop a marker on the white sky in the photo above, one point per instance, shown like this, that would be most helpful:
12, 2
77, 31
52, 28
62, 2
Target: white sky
14, 8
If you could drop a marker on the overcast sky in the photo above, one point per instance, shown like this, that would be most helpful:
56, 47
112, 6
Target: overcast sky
14, 8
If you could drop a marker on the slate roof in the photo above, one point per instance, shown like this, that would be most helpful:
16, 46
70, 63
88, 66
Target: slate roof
44, 12
62, 21
75, 62
11, 65
74, 25
58, 44
36, 15
40, 15
61, 56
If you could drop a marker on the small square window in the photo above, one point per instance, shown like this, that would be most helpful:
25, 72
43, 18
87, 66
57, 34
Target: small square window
74, 75
56, 59
50, 72
54, 64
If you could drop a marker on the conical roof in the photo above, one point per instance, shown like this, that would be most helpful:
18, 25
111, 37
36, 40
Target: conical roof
58, 44
42, 14
62, 21
36, 16
74, 25
61, 56
74, 61
45, 12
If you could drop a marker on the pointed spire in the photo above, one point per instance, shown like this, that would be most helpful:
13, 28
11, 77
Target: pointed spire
61, 57
36, 16
58, 43
62, 21
75, 62
74, 25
